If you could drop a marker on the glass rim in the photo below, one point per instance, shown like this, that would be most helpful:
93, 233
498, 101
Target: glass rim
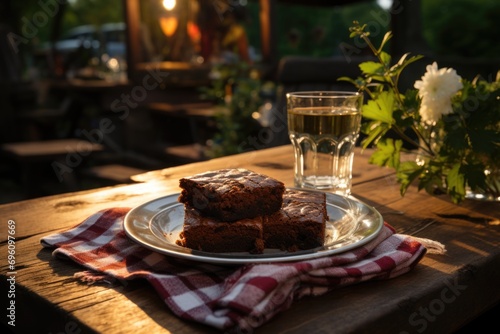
324, 94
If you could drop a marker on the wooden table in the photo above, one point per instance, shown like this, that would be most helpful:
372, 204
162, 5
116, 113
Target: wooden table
102, 95
201, 119
441, 294
31, 155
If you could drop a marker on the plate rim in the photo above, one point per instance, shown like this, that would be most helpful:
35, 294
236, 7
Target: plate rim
232, 258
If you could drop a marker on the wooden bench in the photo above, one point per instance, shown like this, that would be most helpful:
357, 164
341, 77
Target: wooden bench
115, 173
64, 155
201, 120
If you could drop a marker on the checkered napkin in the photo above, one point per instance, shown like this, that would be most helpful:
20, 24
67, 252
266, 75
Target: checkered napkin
229, 298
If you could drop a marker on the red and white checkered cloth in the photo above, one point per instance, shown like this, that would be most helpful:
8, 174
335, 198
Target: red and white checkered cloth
229, 298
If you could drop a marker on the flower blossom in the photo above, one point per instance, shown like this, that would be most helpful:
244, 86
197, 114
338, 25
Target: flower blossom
436, 89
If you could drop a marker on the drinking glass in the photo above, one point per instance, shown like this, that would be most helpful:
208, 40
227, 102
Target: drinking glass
323, 127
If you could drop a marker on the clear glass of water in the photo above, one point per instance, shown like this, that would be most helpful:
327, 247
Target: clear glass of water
323, 127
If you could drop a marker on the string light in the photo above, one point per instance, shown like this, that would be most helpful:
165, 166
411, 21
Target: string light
169, 4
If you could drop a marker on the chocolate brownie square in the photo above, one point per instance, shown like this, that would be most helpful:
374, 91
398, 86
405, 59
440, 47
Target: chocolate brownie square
209, 235
300, 224
232, 194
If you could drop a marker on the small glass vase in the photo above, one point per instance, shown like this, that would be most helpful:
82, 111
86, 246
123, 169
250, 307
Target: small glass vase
491, 192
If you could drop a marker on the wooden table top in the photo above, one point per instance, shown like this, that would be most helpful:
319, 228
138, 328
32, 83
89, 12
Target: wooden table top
442, 293
198, 110
48, 149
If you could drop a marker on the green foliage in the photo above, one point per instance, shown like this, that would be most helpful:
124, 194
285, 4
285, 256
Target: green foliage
444, 23
454, 152
319, 30
380, 109
75, 13
236, 90
408, 172
94, 12
462, 27
443, 27
388, 153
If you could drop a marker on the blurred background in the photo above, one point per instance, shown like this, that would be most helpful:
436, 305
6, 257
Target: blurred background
96, 93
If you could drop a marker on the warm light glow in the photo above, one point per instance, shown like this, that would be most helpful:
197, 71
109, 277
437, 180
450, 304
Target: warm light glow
169, 4
168, 25
113, 64
193, 32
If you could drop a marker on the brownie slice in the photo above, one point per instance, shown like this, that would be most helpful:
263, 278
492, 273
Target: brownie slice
300, 224
209, 235
232, 194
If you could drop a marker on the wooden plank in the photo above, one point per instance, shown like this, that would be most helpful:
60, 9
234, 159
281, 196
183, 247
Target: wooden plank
186, 153
199, 110
114, 172
49, 149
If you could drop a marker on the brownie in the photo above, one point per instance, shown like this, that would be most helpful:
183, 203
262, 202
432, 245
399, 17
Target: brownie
300, 224
232, 194
209, 235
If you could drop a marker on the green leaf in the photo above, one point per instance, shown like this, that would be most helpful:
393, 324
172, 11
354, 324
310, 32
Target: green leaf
475, 176
359, 82
456, 135
397, 68
374, 131
408, 172
387, 37
371, 68
483, 140
351, 80
381, 108
456, 184
387, 153
412, 59
402, 120
432, 183
385, 57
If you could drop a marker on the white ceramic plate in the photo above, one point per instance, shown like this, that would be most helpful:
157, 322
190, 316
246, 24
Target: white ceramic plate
157, 224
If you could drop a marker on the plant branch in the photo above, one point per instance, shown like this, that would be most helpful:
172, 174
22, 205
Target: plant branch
404, 136
391, 80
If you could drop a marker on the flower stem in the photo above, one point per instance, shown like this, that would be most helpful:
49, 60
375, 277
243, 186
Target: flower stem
392, 81
427, 148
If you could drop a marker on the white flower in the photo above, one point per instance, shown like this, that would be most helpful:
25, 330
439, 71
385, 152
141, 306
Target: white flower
436, 89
